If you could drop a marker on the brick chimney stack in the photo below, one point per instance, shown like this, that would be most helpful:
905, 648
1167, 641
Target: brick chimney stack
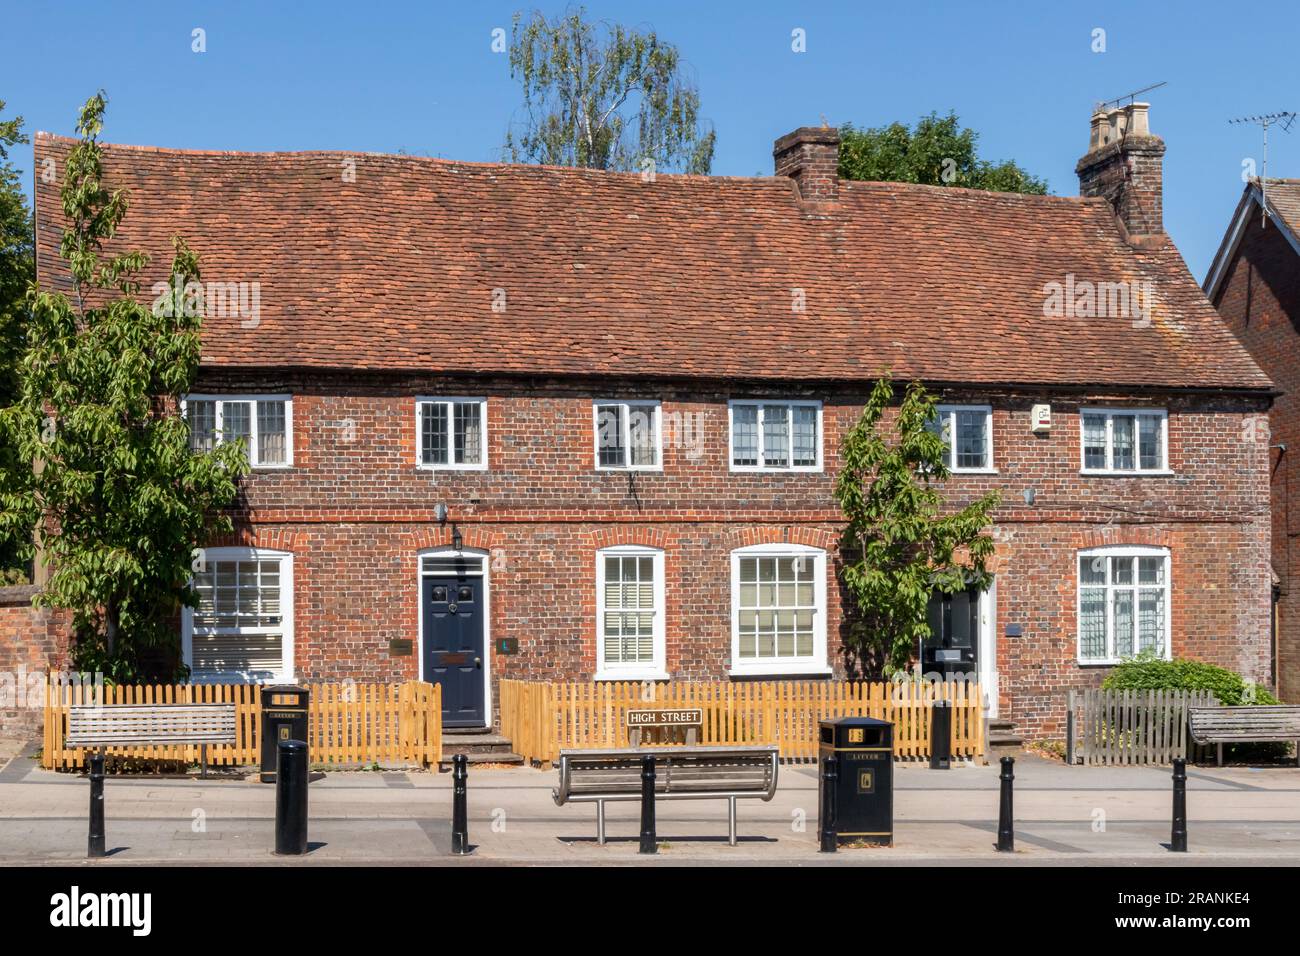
1125, 166
811, 157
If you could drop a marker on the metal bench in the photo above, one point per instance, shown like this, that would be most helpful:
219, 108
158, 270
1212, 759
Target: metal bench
681, 773
151, 725
1254, 724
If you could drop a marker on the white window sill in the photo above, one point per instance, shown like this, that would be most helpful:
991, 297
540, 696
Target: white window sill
237, 678
782, 669
1104, 473
621, 468
422, 467
972, 471
286, 467
759, 469
1112, 662
630, 674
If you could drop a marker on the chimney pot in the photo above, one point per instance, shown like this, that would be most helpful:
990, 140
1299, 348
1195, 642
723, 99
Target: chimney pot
1138, 119
1117, 119
1096, 133
811, 157
1125, 166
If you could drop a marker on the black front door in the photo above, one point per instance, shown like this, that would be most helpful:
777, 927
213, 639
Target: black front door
454, 646
954, 642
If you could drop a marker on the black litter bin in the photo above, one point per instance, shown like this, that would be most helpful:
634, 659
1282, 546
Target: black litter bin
863, 795
284, 717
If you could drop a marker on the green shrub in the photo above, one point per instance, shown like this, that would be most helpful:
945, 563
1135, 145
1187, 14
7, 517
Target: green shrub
1147, 672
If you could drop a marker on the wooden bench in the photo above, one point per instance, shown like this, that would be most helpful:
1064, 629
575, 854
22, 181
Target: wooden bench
1254, 724
681, 773
151, 725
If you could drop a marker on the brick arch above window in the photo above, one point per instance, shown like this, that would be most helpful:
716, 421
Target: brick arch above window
1137, 535
273, 539
623, 536
784, 534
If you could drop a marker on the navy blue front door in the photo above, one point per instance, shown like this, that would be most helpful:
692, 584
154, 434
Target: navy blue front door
454, 646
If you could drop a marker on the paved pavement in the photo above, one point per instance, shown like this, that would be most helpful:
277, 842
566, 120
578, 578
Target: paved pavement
1064, 816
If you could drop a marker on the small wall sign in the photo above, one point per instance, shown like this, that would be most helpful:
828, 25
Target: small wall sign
401, 647
507, 645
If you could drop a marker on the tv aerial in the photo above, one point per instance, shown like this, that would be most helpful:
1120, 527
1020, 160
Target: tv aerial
1131, 97
1283, 119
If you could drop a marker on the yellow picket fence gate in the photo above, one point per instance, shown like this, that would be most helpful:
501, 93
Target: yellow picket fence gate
541, 719
347, 723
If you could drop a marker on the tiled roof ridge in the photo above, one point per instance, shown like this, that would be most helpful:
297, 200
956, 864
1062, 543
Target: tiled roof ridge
952, 191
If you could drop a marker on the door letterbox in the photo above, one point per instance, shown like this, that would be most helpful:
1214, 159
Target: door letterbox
863, 795
284, 717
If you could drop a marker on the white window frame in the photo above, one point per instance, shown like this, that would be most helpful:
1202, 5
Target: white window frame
1110, 412
814, 665
286, 617
596, 405
947, 414
761, 466
253, 399
1120, 551
656, 668
451, 401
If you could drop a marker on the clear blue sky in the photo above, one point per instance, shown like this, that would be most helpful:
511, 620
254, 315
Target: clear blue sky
421, 76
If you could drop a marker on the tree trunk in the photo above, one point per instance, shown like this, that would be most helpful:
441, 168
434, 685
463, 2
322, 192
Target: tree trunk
110, 628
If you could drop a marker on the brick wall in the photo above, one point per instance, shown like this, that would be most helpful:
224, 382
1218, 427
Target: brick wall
1130, 175
32, 642
356, 512
1260, 299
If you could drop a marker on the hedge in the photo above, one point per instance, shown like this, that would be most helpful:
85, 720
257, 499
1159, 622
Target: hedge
1147, 672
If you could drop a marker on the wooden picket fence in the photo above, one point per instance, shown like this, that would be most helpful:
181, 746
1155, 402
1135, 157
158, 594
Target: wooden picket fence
1130, 726
541, 719
347, 723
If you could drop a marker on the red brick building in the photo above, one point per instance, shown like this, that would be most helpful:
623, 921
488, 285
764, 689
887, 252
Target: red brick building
516, 421
1254, 282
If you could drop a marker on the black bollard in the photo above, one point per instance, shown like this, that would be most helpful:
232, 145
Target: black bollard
649, 843
941, 735
1006, 826
826, 813
291, 778
95, 845
459, 804
1178, 835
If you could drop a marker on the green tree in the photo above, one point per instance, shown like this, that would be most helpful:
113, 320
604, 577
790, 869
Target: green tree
938, 152
603, 96
900, 543
17, 268
118, 498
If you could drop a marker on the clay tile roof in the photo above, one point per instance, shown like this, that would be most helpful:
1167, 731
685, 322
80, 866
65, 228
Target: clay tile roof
1284, 198
684, 276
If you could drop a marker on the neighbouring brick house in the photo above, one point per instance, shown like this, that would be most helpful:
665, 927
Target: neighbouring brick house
518, 421
1254, 282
